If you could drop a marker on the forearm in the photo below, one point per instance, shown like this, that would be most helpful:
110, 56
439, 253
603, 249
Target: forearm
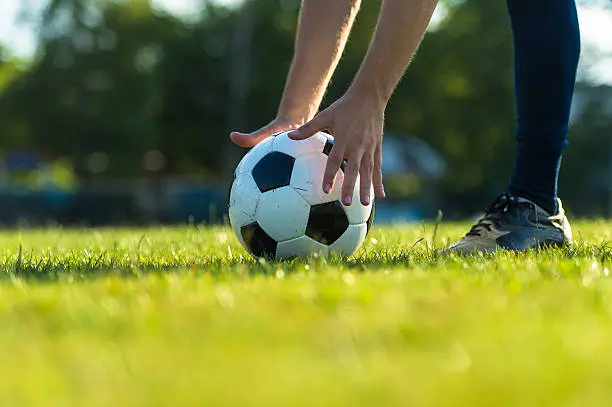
323, 30
400, 29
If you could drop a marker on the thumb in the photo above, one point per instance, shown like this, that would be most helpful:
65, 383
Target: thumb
251, 139
318, 123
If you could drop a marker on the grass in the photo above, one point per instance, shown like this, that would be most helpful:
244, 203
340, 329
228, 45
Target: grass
181, 317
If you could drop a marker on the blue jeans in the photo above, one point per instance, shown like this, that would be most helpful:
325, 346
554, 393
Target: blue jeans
546, 52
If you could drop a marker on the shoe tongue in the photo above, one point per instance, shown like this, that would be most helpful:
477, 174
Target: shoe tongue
538, 207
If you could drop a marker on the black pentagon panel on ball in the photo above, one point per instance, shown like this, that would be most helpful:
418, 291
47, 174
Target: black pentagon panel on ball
327, 148
327, 222
273, 171
258, 241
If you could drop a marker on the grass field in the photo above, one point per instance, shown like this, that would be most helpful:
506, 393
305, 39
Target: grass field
181, 317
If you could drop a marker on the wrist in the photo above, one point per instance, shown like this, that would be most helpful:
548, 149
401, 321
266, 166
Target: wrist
296, 114
368, 95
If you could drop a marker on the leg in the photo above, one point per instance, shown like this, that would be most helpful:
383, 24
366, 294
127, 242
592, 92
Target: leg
547, 48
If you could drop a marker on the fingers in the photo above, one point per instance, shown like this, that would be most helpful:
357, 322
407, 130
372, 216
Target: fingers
365, 178
350, 177
311, 128
358, 164
248, 140
379, 188
334, 161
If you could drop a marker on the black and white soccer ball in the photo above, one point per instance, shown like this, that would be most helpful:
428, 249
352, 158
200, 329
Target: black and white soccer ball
277, 206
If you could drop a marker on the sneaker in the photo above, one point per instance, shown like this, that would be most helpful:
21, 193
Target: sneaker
514, 223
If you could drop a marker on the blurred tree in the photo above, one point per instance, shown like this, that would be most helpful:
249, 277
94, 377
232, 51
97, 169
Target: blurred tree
95, 86
587, 174
196, 88
9, 69
458, 96
12, 125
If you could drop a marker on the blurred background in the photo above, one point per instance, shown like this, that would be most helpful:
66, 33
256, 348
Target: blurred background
118, 111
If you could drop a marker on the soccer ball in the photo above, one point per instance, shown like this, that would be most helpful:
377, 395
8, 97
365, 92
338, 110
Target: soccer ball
277, 206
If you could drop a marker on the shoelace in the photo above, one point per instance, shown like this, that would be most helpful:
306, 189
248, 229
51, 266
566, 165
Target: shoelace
502, 205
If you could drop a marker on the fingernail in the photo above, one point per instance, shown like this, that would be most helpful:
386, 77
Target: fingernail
365, 199
293, 133
347, 200
327, 188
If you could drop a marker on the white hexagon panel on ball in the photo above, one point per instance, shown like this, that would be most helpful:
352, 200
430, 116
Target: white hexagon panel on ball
350, 240
283, 214
297, 148
307, 179
244, 198
301, 247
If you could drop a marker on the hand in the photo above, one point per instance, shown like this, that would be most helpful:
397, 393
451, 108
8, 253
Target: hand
275, 126
357, 126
